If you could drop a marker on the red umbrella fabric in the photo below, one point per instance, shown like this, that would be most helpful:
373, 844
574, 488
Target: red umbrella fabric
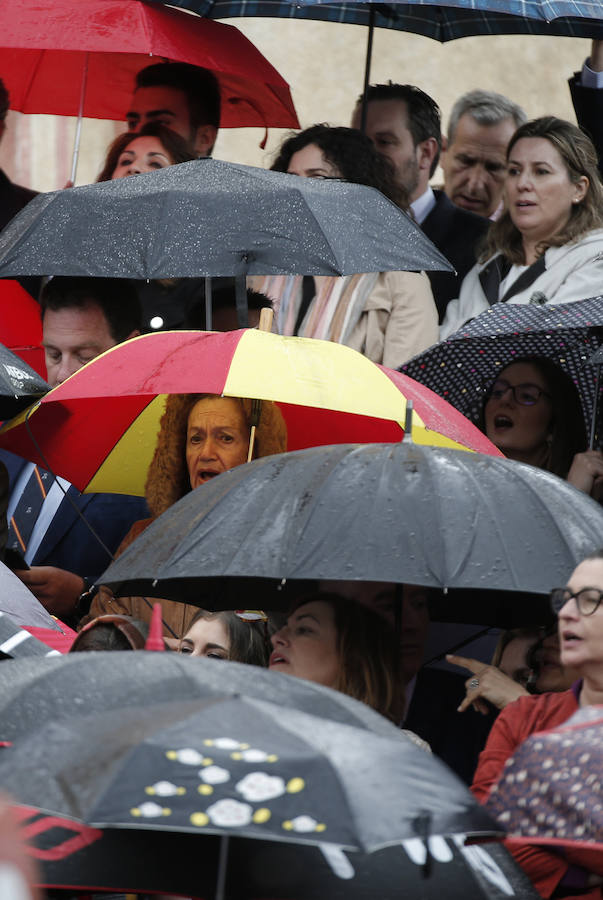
99, 428
21, 325
46, 44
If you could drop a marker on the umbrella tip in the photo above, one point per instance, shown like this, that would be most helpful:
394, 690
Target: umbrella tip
155, 638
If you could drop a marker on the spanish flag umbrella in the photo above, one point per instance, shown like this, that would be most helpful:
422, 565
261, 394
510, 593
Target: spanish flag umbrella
99, 427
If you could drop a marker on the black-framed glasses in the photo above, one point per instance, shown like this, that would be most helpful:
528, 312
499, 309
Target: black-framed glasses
525, 394
587, 600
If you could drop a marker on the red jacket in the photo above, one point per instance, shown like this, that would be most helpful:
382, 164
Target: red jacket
515, 723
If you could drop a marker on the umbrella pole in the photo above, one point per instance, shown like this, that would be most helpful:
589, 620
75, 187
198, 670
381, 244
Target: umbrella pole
222, 868
595, 416
266, 316
78, 127
367, 67
208, 308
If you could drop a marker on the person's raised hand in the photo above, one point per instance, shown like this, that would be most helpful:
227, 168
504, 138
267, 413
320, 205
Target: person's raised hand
486, 683
586, 470
56, 589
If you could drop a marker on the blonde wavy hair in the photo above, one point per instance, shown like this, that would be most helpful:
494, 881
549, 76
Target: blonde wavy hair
168, 478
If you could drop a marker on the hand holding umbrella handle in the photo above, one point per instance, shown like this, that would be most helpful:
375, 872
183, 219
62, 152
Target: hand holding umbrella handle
266, 316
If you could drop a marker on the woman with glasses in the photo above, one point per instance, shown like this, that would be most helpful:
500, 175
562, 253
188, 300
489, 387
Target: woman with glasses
533, 414
579, 609
547, 246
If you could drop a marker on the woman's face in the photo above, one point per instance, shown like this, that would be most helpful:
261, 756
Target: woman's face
307, 645
519, 431
581, 637
206, 637
311, 162
217, 438
538, 189
143, 154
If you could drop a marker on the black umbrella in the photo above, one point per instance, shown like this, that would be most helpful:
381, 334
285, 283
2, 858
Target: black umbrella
73, 855
20, 385
36, 691
214, 218
381, 512
461, 368
16, 642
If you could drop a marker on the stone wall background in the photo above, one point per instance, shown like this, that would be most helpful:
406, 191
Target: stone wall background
324, 65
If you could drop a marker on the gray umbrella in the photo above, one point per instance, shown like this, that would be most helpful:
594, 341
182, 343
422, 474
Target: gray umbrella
20, 385
22, 606
374, 512
214, 218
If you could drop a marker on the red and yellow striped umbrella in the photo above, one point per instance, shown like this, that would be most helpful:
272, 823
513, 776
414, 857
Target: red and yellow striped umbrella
99, 428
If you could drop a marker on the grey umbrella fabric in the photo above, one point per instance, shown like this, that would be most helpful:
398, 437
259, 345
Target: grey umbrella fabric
211, 218
22, 606
461, 368
20, 385
16, 642
375, 512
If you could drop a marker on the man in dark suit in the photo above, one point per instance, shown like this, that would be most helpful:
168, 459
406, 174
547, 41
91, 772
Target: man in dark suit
404, 124
81, 318
586, 88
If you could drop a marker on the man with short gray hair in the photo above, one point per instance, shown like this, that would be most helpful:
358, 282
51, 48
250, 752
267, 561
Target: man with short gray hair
474, 154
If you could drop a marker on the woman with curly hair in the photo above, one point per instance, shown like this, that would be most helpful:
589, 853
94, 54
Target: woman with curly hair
200, 436
387, 316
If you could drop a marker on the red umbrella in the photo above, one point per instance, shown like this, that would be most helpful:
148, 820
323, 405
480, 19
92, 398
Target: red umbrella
21, 325
99, 428
79, 58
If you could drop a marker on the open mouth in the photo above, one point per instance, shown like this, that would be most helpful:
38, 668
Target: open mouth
569, 638
503, 422
277, 659
207, 474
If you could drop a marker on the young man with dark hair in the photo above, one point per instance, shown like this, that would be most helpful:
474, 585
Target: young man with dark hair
404, 124
81, 318
183, 97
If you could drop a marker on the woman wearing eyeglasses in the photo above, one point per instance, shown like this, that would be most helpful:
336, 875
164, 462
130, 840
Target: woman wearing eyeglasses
547, 246
580, 622
533, 414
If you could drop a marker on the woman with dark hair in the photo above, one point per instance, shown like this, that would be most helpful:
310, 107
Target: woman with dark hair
153, 147
387, 316
200, 436
241, 636
533, 414
547, 246
346, 646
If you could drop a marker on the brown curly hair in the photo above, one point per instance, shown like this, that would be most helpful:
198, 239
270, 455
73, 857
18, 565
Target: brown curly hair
168, 478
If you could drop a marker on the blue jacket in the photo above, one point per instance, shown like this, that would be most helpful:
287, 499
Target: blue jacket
68, 543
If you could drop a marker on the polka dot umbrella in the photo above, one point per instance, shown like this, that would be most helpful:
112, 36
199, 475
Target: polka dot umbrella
463, 367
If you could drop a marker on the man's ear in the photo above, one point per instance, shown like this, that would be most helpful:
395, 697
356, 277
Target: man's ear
205, 138
426, 152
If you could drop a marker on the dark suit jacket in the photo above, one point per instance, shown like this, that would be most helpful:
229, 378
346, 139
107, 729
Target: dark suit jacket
457, 233
68, 543
588, 106
13, 197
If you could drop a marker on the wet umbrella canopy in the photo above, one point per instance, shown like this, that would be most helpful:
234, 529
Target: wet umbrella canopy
20, 385
379, 512
214, 218
242, 766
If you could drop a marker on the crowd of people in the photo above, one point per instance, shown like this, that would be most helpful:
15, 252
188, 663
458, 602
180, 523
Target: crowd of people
520, 217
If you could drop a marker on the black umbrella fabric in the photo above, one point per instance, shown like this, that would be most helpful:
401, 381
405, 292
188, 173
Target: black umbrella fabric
20, 385
438, 21
16, 642
461, 368
376, 512
243, 767
73, 855
37, 691
214, 218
